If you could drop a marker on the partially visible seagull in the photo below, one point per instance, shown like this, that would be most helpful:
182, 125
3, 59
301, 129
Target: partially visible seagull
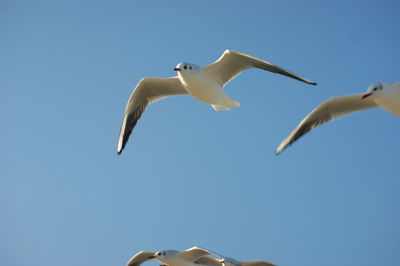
194, 256
384, 95
170, 257
203, 83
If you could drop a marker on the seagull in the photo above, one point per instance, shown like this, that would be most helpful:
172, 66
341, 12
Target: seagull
170, 257
203, 83
384, 95
194, 256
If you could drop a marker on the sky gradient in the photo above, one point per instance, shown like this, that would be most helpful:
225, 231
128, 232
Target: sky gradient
190, 175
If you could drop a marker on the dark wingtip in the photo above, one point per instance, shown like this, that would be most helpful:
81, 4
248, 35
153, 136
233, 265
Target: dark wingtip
120, 149
313, 83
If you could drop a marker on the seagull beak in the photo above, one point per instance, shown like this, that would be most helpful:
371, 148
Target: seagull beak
177, 69
366, 95
151, 257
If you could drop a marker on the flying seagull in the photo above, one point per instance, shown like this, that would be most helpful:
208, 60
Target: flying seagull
194, 256
203, 83
170, 257
385, 95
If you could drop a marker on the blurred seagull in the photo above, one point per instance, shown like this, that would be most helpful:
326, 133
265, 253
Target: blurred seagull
170, 257
385, 95
203, 83
194, 256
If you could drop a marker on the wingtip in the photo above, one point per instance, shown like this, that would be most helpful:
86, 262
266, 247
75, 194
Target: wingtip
279, 150
120, 147
313, 83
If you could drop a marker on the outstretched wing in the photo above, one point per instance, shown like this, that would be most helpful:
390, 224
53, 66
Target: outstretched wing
147, 91
215, 259
194, 253
209, 261
231, 63
257, 263
140, 258
327, 111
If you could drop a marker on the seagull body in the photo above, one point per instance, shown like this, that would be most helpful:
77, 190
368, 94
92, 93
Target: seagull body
388, 98
384, 95
203, 83
170, 257
174, 258
204, 88
194, 256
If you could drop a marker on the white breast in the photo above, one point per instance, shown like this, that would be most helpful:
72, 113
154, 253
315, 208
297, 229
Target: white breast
202, 87
178, 261
390, 100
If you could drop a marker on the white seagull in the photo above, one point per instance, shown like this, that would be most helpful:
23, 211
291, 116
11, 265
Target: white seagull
385, 95
170, 257
194, 256
203, 83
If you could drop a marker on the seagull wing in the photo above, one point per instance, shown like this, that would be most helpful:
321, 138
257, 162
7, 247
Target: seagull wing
231, 63
208, 261
148, 90
140, 258
194, 253
327, 111
257, 263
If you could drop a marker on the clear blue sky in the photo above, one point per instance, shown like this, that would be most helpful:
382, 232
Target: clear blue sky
190, 175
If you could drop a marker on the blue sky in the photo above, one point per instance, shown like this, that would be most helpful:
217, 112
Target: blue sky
190, 175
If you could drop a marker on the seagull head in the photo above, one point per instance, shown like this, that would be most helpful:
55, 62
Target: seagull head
373, 90
163, 255
185, 68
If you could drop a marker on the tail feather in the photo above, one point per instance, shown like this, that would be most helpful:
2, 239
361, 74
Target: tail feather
226, 106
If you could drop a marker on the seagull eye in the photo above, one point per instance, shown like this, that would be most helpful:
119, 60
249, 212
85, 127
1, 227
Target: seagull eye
375, 89
185, 67
190, 67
